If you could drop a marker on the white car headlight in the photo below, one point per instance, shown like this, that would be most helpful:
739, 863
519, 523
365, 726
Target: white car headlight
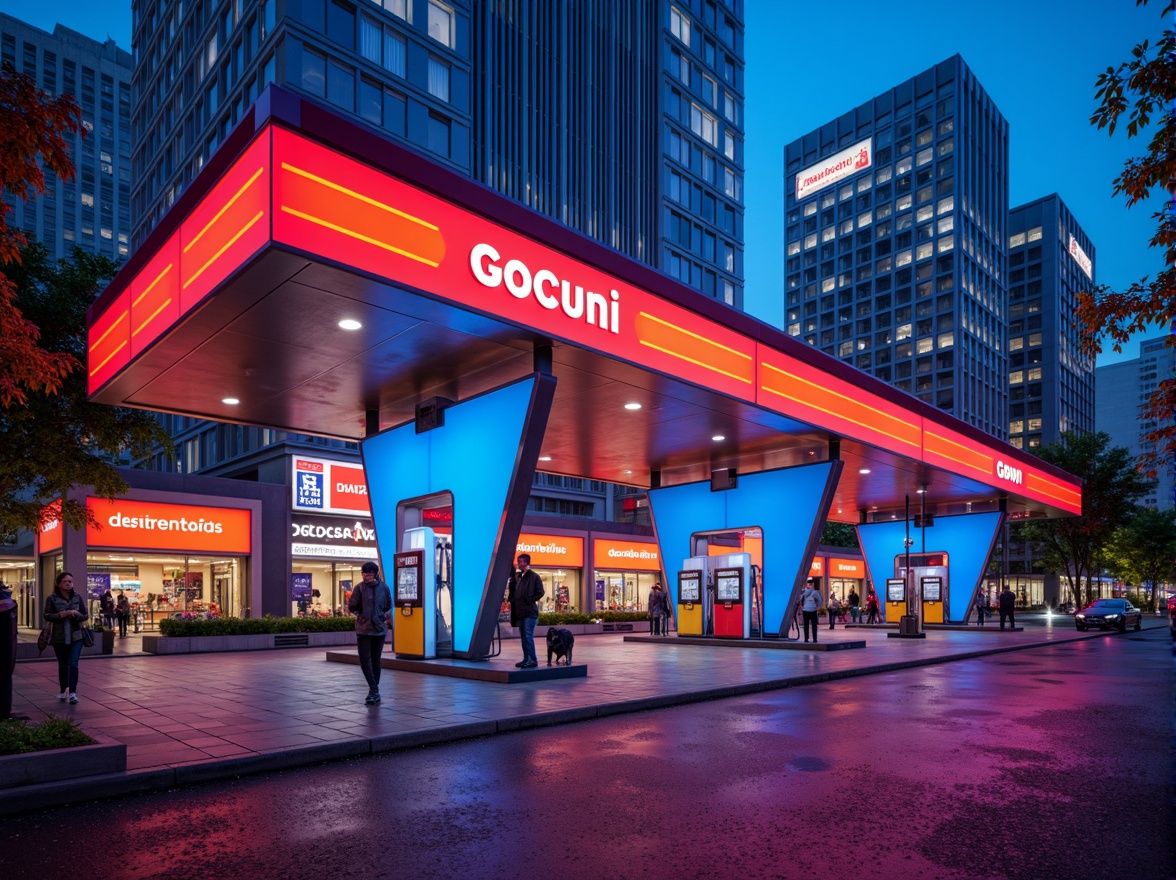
1112, 616
1082, 617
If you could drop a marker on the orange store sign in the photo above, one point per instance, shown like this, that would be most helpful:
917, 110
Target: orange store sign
847, 568
630, 555
148, 525
547, 551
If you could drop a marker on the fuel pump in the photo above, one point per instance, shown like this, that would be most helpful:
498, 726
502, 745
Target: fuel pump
414, 596
691, 593
732, 595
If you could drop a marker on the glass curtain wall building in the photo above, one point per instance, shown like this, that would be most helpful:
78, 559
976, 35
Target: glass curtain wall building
92, 211
1051, 383
895, 236
620, 118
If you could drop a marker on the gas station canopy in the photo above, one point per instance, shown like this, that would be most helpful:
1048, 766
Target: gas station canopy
231, 310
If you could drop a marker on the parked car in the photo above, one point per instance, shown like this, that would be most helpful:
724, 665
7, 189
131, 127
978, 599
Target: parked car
1103, 613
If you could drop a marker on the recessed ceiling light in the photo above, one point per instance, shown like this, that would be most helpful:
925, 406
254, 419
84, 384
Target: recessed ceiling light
718, 438
633, 406
864, 471
230, 401
545, 458
350, 324
922, 491
628, 472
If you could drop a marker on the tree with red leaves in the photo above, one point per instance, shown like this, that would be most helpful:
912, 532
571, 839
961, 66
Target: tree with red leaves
1140, 95
32, 127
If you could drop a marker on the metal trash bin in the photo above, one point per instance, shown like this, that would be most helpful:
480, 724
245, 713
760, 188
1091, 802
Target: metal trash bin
908, 625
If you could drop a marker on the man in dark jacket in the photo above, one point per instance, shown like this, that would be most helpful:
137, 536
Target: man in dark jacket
525, 589
371, 602
1008, 601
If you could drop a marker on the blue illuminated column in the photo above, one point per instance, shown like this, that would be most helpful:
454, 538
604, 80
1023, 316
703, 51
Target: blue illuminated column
485, 455
788, 505
966, 539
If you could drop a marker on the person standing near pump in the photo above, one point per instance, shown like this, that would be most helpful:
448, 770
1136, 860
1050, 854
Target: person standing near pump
371, 603
524, 590
65, 609
981, 607
810, 601
1008, 602
659, 611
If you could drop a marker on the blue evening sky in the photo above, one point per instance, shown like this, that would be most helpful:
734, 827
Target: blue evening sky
808, 63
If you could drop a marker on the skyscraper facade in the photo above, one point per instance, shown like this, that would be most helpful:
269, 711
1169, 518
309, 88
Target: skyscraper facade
1122, 391
93, 210
620, 118
895, 242
1051, 383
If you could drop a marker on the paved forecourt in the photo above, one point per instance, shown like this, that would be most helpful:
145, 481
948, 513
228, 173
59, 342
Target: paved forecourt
194, 718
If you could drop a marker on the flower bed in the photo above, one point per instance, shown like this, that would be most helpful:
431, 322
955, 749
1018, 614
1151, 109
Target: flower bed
253, 626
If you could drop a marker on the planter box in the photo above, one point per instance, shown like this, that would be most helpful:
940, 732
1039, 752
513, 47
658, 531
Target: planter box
264, 642
105, 756
103, 644
577, 629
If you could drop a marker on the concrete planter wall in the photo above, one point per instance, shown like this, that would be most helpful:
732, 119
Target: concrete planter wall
579, 629
267, 641
105, 756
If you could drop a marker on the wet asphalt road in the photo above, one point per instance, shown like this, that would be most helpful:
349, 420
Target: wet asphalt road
1046, 763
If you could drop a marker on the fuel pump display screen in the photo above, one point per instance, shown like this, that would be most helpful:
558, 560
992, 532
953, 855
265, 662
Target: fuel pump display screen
408, 578
729, 585
895, 590
932, 589
689, 587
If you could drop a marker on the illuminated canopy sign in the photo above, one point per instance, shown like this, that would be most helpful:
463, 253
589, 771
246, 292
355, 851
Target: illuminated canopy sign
837, 167
1079, 255
286, 190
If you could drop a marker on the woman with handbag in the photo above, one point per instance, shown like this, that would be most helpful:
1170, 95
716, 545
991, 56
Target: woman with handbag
65, 609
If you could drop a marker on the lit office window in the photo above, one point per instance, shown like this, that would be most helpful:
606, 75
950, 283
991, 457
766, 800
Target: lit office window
793, 247
1034, 374
704, 125
679, 25
810, 241
946, 224
946, 206
395, 52
883, 174
1017, 240
399, 8
370, 38
946, 244
923, 251
1035, 424
1017, 426
441, 23
1034, 339
946, 340
903, 166
923, 157
1016, 377
864, 219
1035, 233
439, 79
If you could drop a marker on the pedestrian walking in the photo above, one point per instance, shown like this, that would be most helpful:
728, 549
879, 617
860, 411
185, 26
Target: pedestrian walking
108, 609
65, 609
524, 590
1008, 602
371, 603
834, 608
122, 610
981, 608
810, 603
659, 611
855, 606
872, 609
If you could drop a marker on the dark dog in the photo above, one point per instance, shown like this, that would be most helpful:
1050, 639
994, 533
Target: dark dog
559, 643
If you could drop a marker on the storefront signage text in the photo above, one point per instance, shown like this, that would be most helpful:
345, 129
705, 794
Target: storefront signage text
547, 551
333, 537
324, 486
130, 524
1079, 255
621, 555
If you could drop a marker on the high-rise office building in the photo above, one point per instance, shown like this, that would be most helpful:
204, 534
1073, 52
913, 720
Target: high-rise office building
1122, 391
895, 242
621, 118
92, 211
1051, 383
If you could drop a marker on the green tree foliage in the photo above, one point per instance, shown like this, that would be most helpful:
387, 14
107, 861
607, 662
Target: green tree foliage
838, 534
55, 440
1139, 96
1074, 546
1143, 550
